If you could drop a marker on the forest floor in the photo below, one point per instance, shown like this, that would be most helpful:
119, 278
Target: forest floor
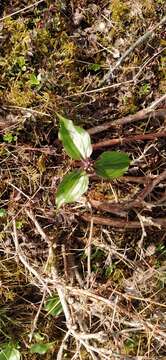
86, 281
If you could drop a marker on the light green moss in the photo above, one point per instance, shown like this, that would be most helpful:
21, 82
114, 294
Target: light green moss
119, 10
18, 44
20, 97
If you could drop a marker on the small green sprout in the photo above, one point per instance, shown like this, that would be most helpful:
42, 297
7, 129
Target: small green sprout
77, 144
9, 138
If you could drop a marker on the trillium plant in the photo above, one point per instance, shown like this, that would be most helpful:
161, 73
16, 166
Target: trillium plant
77, 144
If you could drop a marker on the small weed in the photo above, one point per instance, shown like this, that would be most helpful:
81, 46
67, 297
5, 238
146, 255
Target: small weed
109, 270
3, 213
9, 138
9, 351
144, 89
94, 67
130, 345
77, 144
53, 306
161, 249
41, 348
34, 80
19, 224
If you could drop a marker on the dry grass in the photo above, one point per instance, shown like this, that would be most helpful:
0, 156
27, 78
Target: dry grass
110, 279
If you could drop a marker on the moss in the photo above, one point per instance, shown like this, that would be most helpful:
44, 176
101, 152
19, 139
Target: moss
68, 50
119, 10
43, 42
20, 97
160, 2
18, 42
162, 86
148, 7
163, 64
129, 104
144, 89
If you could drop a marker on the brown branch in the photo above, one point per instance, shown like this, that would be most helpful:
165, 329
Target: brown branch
161, 200
122, 208
136, 179
113, 208
140, 115
150, 186
133, 179
139, 137
123, 223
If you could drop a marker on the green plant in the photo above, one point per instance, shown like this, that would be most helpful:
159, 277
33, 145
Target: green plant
2, 212
9, 351
21, 63
77, 144
94, 67
53, 305
41, 348
34, 80
144, 89
9, 137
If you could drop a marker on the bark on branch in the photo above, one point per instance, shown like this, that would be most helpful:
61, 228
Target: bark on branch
123, 223
139, 137
140, 115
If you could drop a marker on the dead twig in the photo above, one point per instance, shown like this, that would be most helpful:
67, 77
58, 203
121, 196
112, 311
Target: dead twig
113, 208
147, 62
121, 209
36, 317
61, 290
140, 115
143, 235
123, 223
61, 349
128, 179
138, 42
23, 260
21, 10
31, 216
101, 89
27, 110
88, 252
45, 150
144, 299
157, 102
151, 185
139, 137
19, 190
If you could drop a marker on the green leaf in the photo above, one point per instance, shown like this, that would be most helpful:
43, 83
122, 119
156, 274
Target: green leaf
19, 224
41, 348
94, 67
10, 353
38, 337
53, 305
34, 80
8, 137
112, 164
72, 187
3, 213
21, 62
76, 141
